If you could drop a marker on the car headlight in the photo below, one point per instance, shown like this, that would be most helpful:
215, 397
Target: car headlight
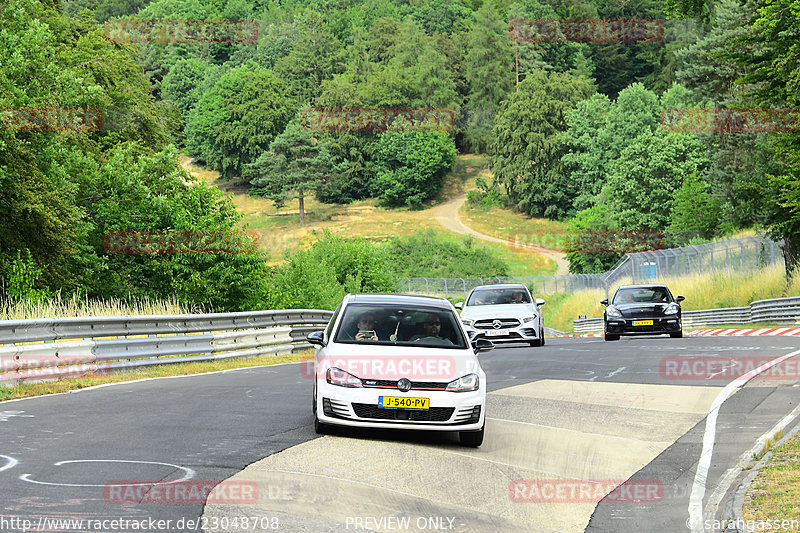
467, 321
337, 376
671, 309
612, 311
528, 318
464, 384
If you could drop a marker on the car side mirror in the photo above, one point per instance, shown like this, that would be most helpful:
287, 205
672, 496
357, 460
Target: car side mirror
482, 345
604, 301
539, 301
459, 306
316, 337
680, 299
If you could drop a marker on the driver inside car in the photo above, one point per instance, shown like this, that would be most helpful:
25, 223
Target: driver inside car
432, 327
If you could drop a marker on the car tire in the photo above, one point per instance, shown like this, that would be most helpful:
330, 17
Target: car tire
677, 334
541, 336
473, 439
537, 343
610, 337
319, 427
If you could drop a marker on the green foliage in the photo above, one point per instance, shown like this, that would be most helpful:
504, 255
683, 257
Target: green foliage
595, 218
412, 166
184, 82
21, 278
586, 159
643, 181
527, 151
696, 212
316, 55
235, 121
490, 74
428, 254
486, 196
318, 278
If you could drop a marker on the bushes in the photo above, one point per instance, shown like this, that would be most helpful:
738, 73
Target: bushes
318, 278
412, 165
428, 254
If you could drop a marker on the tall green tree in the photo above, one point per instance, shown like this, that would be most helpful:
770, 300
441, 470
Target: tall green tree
235, 121
490, 73
316, 56
641, 187
296, 164
527, 151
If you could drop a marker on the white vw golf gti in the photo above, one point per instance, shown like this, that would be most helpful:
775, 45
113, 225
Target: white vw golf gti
399, 362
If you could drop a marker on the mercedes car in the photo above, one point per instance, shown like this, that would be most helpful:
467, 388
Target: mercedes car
399, 362
642, 310
503, 314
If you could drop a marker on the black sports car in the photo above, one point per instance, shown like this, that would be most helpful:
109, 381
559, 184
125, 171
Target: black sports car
642, 310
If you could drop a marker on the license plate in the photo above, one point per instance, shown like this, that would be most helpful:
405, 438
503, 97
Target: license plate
642, 322
394, 402
496, 332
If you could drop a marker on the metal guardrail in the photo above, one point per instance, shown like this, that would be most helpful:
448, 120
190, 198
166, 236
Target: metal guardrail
782, 311
53, 348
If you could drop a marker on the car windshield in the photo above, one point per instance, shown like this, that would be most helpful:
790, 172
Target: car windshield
498, 297
400, 325
633, 295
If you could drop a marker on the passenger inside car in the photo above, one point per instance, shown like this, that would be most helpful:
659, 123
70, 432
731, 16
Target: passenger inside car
363, 329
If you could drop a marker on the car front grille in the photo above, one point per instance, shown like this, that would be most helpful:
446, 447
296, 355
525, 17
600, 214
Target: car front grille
415, 385
434, 414
505, 323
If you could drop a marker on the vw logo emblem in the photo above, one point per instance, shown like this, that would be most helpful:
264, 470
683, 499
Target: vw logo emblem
497, 324
404, 385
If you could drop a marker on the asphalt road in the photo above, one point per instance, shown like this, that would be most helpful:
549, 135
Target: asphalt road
574, 410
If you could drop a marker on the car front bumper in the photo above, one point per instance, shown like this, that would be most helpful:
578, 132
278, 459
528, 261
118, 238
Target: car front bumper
661, 325
355, 407
524, 333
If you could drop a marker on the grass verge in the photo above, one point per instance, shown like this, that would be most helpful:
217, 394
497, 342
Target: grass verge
26, 390
775, 492
509, 225
58, 307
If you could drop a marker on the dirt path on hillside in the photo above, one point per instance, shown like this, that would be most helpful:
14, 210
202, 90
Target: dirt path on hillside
446, 214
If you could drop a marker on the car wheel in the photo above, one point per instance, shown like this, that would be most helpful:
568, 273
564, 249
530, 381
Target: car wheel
473, 439
537, 342
541, 336
676, 335
319, 427
610, 337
